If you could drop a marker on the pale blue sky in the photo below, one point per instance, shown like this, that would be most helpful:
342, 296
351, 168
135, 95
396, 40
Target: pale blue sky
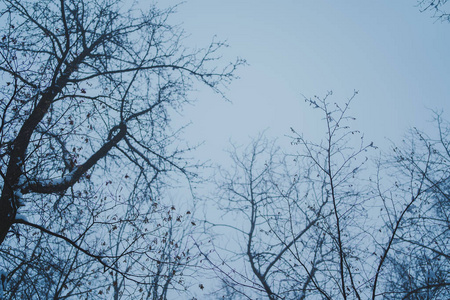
395, 56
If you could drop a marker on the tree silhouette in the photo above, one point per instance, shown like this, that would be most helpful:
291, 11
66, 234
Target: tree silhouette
89, 89
322, 222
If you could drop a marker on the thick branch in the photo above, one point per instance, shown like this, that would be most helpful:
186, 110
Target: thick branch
60, 185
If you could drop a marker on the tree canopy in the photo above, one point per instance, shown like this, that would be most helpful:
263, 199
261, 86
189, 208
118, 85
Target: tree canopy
88, 91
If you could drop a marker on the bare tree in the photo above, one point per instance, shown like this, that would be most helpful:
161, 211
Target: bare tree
321, 223
301, 211
85, 143
417, 209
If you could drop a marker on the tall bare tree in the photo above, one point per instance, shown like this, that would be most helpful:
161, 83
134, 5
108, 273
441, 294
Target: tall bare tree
88, 91
300, 210
325, 223
416, 202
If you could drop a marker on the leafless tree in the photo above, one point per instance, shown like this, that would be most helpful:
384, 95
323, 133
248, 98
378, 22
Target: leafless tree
300, 211
417, 210
86, 147
321, 223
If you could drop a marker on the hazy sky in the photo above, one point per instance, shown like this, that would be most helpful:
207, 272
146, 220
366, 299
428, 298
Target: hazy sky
395, 56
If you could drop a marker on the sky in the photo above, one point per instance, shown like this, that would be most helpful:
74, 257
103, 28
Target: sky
395, 56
